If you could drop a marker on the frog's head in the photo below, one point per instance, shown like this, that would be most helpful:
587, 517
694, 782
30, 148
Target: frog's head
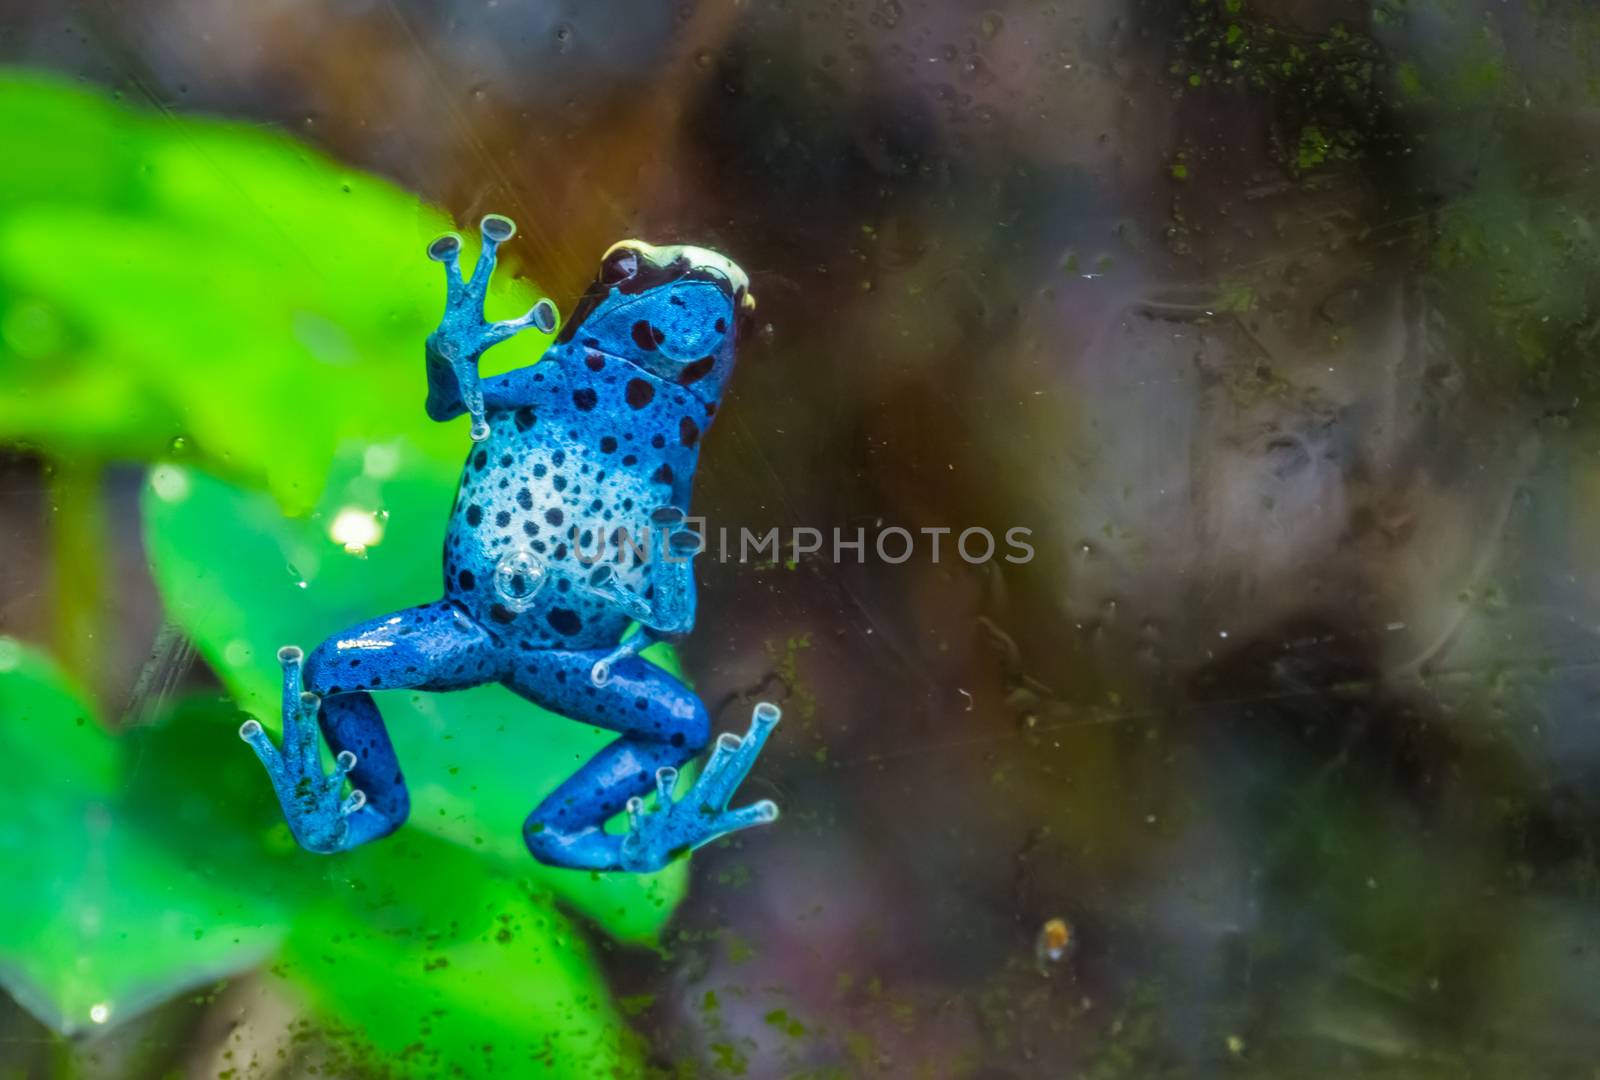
672, 311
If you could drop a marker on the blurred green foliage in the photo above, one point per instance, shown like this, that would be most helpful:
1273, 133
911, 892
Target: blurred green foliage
102, 915
247, 317
208, 282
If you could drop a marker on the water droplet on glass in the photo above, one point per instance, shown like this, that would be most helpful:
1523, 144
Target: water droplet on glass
179, 444
517, 577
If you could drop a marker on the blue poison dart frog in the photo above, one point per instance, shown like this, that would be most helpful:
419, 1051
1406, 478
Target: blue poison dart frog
591, 449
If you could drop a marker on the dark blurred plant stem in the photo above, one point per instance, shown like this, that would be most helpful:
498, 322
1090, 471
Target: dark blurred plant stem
78, 551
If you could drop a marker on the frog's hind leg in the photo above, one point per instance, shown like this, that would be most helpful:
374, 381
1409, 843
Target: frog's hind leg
433, 647
663, 724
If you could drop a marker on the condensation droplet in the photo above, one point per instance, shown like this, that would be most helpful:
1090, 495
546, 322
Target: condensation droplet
517, 577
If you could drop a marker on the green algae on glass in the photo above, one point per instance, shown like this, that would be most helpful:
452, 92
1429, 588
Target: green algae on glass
1512, 238
421, 959
1525, 267
1324, 90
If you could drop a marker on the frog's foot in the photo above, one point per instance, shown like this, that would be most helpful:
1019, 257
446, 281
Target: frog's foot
313, 802
656, 836
463, 334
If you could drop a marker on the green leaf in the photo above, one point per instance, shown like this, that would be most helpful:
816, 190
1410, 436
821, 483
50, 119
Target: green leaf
101, 916
242, 579
49, 727
168, 279
426, 960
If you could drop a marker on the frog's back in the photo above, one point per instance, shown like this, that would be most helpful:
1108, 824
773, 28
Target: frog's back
569, 473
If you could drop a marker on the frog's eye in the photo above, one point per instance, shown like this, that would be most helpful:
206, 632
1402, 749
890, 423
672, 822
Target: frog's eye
619, 265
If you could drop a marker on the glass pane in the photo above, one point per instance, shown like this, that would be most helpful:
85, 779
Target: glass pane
1146, 452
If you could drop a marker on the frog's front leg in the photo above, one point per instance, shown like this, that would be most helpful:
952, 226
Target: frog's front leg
463, 335
670, 611
433, 647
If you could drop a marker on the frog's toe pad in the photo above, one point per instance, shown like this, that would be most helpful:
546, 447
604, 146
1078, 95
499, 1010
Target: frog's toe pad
446, 248
497, 228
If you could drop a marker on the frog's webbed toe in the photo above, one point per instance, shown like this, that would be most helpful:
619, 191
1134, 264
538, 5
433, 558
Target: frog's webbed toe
656, 836
463, 334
